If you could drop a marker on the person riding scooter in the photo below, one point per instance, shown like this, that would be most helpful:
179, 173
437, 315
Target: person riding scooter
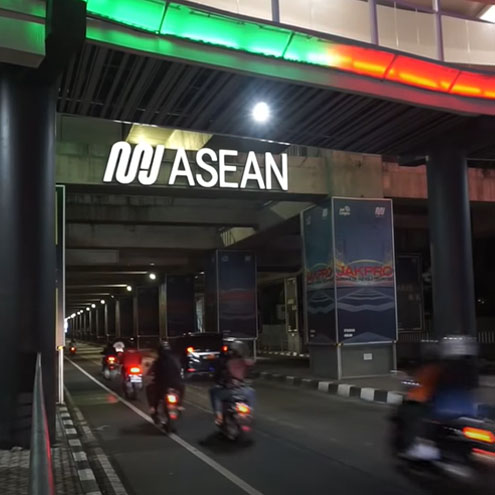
166, 374
131, 357
231, 373
445, 392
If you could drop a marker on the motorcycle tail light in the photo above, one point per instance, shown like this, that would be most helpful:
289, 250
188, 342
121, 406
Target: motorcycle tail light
111, 359
478, 434
242, 408
190, 350
72, 348
135, 370
171, 399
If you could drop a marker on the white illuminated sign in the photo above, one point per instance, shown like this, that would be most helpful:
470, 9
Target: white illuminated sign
211, 169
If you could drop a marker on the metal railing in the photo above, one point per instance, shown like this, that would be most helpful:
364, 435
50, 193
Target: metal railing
40, 460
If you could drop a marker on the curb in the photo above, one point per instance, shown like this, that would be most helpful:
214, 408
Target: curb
282, 353
87, 478
367, 394
87, 444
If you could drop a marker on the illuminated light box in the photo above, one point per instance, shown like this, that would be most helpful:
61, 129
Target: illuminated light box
214, 29
356, 59
422, 74
142, 14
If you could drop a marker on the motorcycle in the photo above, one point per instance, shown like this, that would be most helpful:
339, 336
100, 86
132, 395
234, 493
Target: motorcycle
133, 382
461, 450
110, 367
171, 412
237, 417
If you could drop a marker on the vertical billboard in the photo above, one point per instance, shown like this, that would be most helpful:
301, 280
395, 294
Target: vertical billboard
410, 293
319, 274
364, 270
180, 305
237, 305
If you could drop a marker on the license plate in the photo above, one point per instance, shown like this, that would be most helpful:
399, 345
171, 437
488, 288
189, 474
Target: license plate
211, 356
136, 379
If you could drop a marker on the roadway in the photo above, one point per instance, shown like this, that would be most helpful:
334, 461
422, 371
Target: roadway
304, 442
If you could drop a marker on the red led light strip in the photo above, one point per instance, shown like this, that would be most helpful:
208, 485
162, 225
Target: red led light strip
411, 71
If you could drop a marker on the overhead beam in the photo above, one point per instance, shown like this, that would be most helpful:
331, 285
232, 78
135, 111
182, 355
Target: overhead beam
141, 236
159, 215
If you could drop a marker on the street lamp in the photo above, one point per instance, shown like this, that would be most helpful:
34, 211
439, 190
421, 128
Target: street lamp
261, 112
152, 276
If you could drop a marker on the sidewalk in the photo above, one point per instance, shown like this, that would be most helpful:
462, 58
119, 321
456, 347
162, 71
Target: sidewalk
383, 389
14, 468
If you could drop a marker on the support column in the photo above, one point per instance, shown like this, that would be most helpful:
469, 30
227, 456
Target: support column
27, 246
146, 316
109, 319
450, 239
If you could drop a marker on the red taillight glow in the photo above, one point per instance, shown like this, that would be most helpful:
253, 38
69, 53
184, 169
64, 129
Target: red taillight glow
484, 452
242, 408
190, 350
191, 370
225, 348
135, 370
72, 348
478, 434
171, 398
111, 359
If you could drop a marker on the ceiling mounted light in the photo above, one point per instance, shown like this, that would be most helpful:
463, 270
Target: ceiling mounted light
152, 276
87, 309
93, 306
261, 112
102, 301
129, 288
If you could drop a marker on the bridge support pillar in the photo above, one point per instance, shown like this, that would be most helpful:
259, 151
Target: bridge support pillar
450, 241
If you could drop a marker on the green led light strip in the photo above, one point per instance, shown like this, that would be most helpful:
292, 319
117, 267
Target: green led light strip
143, 14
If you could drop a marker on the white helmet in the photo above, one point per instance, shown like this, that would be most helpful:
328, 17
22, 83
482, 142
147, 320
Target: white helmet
453, 346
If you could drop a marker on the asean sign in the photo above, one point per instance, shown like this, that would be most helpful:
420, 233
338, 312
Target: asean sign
210, 169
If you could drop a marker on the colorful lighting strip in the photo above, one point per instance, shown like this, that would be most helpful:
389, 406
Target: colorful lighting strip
174, 20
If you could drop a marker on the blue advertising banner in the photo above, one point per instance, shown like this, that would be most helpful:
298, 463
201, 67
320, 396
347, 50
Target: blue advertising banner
237, 306
180, 305
364, 270
319, 274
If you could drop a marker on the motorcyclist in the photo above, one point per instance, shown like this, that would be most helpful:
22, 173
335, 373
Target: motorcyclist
231, 373
411, 413
108, 350
449, 393
131, 357
166, 373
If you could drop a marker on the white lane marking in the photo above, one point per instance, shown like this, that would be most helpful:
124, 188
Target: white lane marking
86, 475
394, 398
244, 486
